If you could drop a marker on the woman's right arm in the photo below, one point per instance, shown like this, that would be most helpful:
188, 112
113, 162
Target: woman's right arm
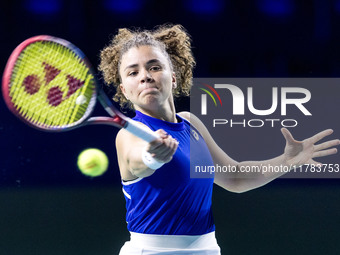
130, 149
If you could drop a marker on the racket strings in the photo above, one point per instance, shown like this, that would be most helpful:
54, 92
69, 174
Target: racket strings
30, 106
76, 111
79, 109
45, 83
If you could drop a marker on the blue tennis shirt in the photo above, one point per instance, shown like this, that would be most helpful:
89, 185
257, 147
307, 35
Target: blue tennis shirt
169, 202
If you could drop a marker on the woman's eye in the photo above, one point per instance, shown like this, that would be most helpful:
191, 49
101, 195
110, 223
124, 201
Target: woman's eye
133, 73
155, 68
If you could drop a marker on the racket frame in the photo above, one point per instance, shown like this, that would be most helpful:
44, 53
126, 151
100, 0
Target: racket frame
8, 74
117, 119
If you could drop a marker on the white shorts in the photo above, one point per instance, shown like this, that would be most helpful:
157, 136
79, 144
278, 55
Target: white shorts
145, 244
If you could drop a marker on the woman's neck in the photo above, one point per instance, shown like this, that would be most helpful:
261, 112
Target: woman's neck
165, 112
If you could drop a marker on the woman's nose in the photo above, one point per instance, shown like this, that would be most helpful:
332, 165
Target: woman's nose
146, 77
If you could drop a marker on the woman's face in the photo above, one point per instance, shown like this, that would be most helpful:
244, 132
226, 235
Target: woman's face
147, 79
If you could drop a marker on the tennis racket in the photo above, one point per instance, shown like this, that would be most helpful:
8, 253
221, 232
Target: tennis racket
49, 84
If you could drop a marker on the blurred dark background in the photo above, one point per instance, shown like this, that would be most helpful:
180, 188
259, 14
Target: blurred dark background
48, 207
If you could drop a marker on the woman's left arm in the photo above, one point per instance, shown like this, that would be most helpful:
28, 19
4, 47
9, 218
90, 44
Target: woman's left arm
296, 153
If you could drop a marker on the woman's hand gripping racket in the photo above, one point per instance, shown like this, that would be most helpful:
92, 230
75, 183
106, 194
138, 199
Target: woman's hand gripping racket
49, 84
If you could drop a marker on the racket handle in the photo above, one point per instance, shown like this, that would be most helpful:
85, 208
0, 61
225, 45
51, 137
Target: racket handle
140, 131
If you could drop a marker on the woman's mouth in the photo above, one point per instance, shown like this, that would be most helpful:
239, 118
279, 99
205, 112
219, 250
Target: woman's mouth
149, 90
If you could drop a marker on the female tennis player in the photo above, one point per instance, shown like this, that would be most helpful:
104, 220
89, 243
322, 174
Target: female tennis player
167, 211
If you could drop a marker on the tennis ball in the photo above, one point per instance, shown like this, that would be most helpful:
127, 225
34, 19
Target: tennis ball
92, 162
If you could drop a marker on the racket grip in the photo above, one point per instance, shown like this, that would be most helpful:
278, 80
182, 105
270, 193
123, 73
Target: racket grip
140, 131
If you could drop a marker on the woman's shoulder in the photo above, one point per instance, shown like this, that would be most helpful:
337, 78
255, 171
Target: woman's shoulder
185, 115
193, 120
123, 135
190, 117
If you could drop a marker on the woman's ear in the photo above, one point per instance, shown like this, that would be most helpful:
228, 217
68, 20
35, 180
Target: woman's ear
174, 83
123, 91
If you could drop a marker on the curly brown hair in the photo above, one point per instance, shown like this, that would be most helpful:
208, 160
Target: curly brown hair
174, 42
